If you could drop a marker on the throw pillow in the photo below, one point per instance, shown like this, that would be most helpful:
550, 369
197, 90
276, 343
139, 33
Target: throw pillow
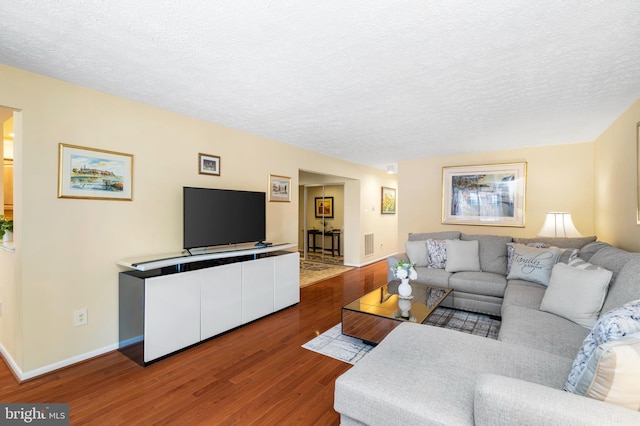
617, 323
511, 247
462, 256
532, 264
567, 255
581, 264
436, 253
612, 374
417, 252
576, 294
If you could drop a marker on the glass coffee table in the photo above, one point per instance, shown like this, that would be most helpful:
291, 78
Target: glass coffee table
375, 314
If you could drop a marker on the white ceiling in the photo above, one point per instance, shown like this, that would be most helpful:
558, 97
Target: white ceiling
371, 81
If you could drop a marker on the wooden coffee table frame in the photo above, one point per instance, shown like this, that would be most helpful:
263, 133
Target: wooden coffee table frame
376, 314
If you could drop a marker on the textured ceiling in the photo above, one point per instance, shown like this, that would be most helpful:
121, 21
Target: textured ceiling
372, 81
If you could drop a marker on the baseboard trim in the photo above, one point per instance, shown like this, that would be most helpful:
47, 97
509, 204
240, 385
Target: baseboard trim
22, 376
369, 262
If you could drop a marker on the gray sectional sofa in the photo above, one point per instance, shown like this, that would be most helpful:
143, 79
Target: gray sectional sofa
420, 374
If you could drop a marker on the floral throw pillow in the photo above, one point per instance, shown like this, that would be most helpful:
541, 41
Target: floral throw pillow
436, 253
613, 325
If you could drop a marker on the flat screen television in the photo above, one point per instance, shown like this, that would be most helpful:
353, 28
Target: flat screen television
215, 217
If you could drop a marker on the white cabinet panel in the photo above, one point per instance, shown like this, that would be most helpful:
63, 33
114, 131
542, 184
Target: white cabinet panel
221, 294
172, 313
257, 288
287, 280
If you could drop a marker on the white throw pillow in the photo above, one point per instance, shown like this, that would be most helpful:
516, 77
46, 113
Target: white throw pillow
417, 252
576, 294
462, 256
532, 264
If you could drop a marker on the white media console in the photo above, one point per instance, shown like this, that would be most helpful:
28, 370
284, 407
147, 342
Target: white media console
170, 303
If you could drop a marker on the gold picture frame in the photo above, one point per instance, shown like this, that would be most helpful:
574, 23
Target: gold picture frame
91, 173
208, 164
279, 188
388, 200
490, 195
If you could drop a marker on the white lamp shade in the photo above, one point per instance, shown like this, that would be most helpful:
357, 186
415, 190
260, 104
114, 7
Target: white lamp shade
558, 224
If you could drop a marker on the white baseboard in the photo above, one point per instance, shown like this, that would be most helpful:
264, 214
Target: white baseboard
369, 262
22, 376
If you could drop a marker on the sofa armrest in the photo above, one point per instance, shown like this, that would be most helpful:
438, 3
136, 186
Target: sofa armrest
391, 262
500, 400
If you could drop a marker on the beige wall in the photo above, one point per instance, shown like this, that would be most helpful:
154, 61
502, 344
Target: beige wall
616, 181
560, 178
66, 249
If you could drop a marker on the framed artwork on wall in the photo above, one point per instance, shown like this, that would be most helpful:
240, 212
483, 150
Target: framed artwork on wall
92, 173
324, 207
492, 195
388, 201
279, 188
208, 164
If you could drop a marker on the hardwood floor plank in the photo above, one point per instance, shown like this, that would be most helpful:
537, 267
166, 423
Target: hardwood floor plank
257, 374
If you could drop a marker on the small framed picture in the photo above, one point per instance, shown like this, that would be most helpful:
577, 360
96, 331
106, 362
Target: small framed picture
279, 188
324, 207
92, 173
208, 164
388, 200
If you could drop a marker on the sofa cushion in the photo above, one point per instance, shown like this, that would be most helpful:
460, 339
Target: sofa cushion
485, 283
533, 264
612, 374
438, 277
436, 253
462, 256
541, 330
443, 235
417, 252
619, 322
611, 258
625, 286
558, 242
393, 385
586, 252
493, 252
576, 294
523, 293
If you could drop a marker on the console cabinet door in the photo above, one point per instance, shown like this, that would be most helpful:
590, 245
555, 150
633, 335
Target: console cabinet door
287, 280
221, 294
172, 313
257, 288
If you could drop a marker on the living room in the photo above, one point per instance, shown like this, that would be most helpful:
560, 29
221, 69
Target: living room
65, 250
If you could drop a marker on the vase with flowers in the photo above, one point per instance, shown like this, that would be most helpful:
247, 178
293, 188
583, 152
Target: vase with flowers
404, 271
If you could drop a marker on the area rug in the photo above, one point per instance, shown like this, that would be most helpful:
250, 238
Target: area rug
324, 258
334, 344
312, 272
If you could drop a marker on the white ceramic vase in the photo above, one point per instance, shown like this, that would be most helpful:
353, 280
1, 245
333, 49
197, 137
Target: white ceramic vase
7, 237
404, 305
404, 289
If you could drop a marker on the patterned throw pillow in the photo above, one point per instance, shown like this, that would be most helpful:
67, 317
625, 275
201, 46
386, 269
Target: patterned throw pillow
613, 325
437, 253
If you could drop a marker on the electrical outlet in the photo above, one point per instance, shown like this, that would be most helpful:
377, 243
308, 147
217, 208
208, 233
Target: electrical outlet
80, 317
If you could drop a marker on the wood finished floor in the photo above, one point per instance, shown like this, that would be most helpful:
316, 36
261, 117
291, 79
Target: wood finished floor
257, 374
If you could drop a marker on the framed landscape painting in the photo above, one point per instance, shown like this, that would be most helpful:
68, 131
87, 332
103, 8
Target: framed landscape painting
279, 188
492, 195
388, 198
94, 173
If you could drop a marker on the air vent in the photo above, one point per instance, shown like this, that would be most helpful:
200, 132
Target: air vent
368, 244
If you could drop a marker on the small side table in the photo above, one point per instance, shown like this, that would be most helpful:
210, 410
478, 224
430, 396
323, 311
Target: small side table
335, 241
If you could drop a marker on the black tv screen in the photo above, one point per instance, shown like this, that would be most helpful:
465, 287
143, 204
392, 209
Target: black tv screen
214, 217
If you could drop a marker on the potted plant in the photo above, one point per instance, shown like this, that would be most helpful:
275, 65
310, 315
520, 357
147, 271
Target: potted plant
6, 229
